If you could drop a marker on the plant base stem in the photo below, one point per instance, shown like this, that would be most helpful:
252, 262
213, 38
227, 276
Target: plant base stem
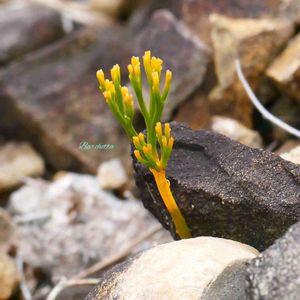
163, 186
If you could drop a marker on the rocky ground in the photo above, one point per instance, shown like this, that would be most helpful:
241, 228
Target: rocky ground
69, 213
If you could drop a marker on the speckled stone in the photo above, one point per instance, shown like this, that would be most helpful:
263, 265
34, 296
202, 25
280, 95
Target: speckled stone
275, 274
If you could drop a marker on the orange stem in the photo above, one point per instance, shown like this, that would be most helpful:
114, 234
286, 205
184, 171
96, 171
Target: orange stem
163, 186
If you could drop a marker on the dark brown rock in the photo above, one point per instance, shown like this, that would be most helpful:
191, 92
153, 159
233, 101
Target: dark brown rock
185, 55
226, 189
54, 96
195, 13
27, 27
195, 112
288, 110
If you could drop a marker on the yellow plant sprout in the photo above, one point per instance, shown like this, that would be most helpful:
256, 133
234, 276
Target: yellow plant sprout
120, 101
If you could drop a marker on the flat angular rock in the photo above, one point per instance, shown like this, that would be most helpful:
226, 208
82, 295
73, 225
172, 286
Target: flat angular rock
185, 55
225, 189
17, 161
292, 155
255, 42
27, 27
204, 268
288, 146
54, 95
236, 131
285, 69
196, 13
274, 275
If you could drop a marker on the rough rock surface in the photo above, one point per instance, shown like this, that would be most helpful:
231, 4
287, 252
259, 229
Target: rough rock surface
17, 161
54, 95
27, 27
285, 70
226, 189
275, 274
236, 131
74, 211
187, 58
214, 267
255, 42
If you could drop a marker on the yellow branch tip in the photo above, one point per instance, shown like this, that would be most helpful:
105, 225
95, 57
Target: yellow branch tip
115, 73
101, 78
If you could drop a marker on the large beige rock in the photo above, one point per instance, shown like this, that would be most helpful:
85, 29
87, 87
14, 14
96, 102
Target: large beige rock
8, 276
200, 268
196, 13
285, 70
292, 155
236, 131
18, 160
255, 42
112, 175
